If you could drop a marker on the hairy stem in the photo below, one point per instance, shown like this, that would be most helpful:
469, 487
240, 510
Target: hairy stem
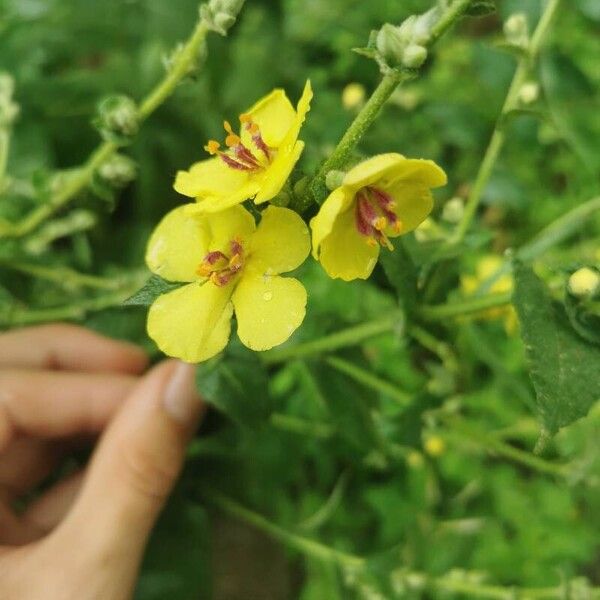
83, 176
364, 119
498, 135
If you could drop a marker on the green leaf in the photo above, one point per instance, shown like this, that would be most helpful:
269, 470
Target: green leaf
152, 289
236, 382
481, 8
177, 563
563, 367
401, 273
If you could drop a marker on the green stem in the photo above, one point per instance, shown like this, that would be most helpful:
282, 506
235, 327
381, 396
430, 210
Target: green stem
300, 426
83, 176
291, 540
498, 136
63, 275
367, 379
321, 552
4, 146
493, 445
465, 307
74, 311
369, 112
341, 339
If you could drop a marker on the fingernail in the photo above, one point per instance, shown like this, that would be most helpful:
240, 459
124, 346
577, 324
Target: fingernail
181, 400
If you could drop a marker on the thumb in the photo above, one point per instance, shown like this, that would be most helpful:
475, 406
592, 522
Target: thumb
133, 471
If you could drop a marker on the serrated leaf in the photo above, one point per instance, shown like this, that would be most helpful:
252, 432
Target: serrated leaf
563, 367
152, 289
237, 383
401, 273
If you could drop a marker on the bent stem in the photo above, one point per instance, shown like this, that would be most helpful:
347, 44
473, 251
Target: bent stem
498, 135
339, 157
83, 176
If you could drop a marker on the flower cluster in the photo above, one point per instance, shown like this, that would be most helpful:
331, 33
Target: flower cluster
228, 264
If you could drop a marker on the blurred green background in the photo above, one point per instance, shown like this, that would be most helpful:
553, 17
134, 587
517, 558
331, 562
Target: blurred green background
447, 507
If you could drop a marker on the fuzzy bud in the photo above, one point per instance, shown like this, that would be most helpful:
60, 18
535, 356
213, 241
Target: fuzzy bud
414, 56
220, 15
584, 283
117, 119
529, 92
453, 210
516, 30
118, 171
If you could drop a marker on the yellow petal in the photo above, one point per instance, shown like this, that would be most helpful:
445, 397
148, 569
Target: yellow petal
274, 114
373, 169
193, 322
419, 169
268, 309
414, 202
177, 246
321, 225
278, 172
281, 242
223, 227
345, 253
210, 177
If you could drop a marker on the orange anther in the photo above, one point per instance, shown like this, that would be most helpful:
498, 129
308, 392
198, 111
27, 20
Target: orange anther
227, 127
245, 118
212, 146
380, 223
371, 241
232, 140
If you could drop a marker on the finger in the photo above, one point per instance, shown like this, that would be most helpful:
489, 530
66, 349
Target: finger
45, 513
50, 404
133, 470
62, 346
25, 463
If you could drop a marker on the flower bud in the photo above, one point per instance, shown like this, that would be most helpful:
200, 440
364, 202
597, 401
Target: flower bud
414, 56
389, 44
453, 210
516, 30
353, 96
220, 15
435, 446
118, 171
584, 283
529, 92
117, 119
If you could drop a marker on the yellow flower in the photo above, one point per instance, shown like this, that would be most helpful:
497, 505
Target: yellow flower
482, 281
228, 264
383, 197
256, 163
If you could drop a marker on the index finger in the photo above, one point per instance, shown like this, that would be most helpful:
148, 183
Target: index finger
68, 347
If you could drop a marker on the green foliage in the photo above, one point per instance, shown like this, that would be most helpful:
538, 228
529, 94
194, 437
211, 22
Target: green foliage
151, 290
321, 451
563, 367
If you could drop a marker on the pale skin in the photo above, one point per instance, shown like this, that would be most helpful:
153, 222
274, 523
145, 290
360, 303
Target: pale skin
63, 386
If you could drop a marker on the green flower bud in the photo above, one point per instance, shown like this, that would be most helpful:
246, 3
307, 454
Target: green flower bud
516, 30
529, 92
453, 210
390, 44
117, 119
118, 171
584, 283
414, 56
220, 15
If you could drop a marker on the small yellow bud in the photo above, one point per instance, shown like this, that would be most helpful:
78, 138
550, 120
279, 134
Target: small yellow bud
584, 282
414, 460
353, 96
435, 446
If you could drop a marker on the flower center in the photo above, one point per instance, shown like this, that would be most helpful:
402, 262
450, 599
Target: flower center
220, 268
239, 156
374, 213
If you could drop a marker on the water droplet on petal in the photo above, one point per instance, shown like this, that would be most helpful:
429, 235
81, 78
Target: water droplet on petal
267, 296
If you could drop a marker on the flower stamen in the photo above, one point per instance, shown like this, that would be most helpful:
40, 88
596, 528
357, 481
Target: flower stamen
374, 214
219, 268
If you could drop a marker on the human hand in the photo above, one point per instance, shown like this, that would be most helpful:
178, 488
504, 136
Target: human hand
84, 538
